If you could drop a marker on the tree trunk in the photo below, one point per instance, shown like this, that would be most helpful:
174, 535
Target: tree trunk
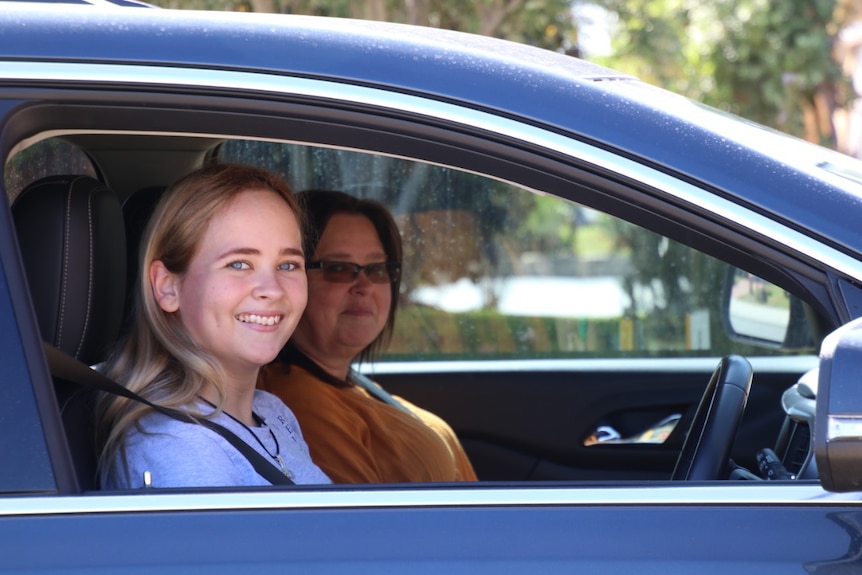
263, 6
417, 12
492, 14
369, 10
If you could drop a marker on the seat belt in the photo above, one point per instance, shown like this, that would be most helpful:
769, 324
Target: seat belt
66, 367
376, 390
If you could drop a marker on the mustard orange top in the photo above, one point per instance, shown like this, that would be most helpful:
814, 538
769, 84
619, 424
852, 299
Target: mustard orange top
356, 438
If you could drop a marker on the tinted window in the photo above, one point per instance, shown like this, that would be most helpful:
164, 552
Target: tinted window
493, 270
51, 157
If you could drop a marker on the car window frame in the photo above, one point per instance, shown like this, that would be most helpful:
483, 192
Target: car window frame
38, 460
342, 122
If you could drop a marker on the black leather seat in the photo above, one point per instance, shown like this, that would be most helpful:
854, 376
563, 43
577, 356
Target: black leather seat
137, 209
72, 238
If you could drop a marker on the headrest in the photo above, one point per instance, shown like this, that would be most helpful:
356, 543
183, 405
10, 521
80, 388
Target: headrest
72, 239
137, 210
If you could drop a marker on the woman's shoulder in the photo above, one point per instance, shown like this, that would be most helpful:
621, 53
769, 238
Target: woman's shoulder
156, 427
157, 422
178, 454
160, 437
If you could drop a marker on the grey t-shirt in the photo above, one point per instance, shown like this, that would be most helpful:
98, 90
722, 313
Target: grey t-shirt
179, 454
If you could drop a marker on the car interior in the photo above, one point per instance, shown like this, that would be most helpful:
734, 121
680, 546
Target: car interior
99, 189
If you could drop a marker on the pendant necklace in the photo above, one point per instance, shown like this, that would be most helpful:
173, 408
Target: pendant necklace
261, 422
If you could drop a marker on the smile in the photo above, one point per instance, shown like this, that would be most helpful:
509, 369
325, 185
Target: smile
259, 319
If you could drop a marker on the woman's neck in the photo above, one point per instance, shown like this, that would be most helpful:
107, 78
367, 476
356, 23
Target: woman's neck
238, 400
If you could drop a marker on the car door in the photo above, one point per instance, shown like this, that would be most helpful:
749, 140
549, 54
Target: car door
491, 205
535, 395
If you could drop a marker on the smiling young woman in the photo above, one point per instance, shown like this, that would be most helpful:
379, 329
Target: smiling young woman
222, 288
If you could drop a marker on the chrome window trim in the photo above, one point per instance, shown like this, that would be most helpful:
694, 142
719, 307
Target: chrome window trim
267, 83
727, 494
761, 364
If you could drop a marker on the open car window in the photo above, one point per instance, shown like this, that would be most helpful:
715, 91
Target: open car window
496, 272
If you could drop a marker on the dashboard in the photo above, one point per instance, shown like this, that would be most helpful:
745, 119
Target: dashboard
795, 445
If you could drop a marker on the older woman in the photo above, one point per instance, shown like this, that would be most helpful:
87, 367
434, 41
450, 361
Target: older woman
354, 262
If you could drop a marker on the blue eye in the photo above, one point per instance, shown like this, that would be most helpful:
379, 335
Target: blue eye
288, 266
239, 265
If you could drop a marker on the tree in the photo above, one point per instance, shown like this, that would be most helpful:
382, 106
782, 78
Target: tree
779, 68
770, 61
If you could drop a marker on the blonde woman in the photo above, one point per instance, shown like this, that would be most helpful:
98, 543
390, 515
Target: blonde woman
222, 288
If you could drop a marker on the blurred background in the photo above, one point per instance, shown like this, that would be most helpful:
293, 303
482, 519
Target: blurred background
788, 64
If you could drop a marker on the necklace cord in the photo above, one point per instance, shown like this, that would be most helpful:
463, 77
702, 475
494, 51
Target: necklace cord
261, 422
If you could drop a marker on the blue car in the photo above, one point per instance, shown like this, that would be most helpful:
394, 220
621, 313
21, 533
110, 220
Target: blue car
637, 312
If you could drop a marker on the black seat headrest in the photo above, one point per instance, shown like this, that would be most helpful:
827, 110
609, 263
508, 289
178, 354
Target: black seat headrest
72, 238
137, 210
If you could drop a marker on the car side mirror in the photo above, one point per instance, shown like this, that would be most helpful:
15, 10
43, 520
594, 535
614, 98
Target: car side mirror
761, 313
838, 410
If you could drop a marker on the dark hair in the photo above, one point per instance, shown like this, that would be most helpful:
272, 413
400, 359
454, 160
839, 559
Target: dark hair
319, 206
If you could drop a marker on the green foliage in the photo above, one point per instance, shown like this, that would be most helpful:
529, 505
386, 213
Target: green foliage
427, 333
766, 60
775, 61
423, 333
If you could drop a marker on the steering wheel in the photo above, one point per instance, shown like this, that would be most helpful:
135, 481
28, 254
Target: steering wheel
706, 449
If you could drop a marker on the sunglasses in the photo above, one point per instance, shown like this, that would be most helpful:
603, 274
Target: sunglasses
347, 272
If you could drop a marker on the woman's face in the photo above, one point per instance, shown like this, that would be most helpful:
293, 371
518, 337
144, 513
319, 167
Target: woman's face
245, 288
341, 319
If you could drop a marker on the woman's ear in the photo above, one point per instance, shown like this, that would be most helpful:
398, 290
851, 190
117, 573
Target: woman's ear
165, 286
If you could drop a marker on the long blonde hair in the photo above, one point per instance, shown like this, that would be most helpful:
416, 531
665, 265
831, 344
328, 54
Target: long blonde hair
158, 360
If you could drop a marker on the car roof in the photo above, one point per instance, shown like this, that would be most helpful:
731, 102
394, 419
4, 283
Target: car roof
809, 186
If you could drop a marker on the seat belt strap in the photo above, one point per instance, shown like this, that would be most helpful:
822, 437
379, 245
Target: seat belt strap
66, 367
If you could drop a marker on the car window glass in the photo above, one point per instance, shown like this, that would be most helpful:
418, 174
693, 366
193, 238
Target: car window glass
493, 270
50, 157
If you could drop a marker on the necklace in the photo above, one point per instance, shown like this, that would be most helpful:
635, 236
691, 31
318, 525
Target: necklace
261, 422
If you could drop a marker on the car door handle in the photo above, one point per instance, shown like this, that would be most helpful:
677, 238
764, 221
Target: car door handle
655, 434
